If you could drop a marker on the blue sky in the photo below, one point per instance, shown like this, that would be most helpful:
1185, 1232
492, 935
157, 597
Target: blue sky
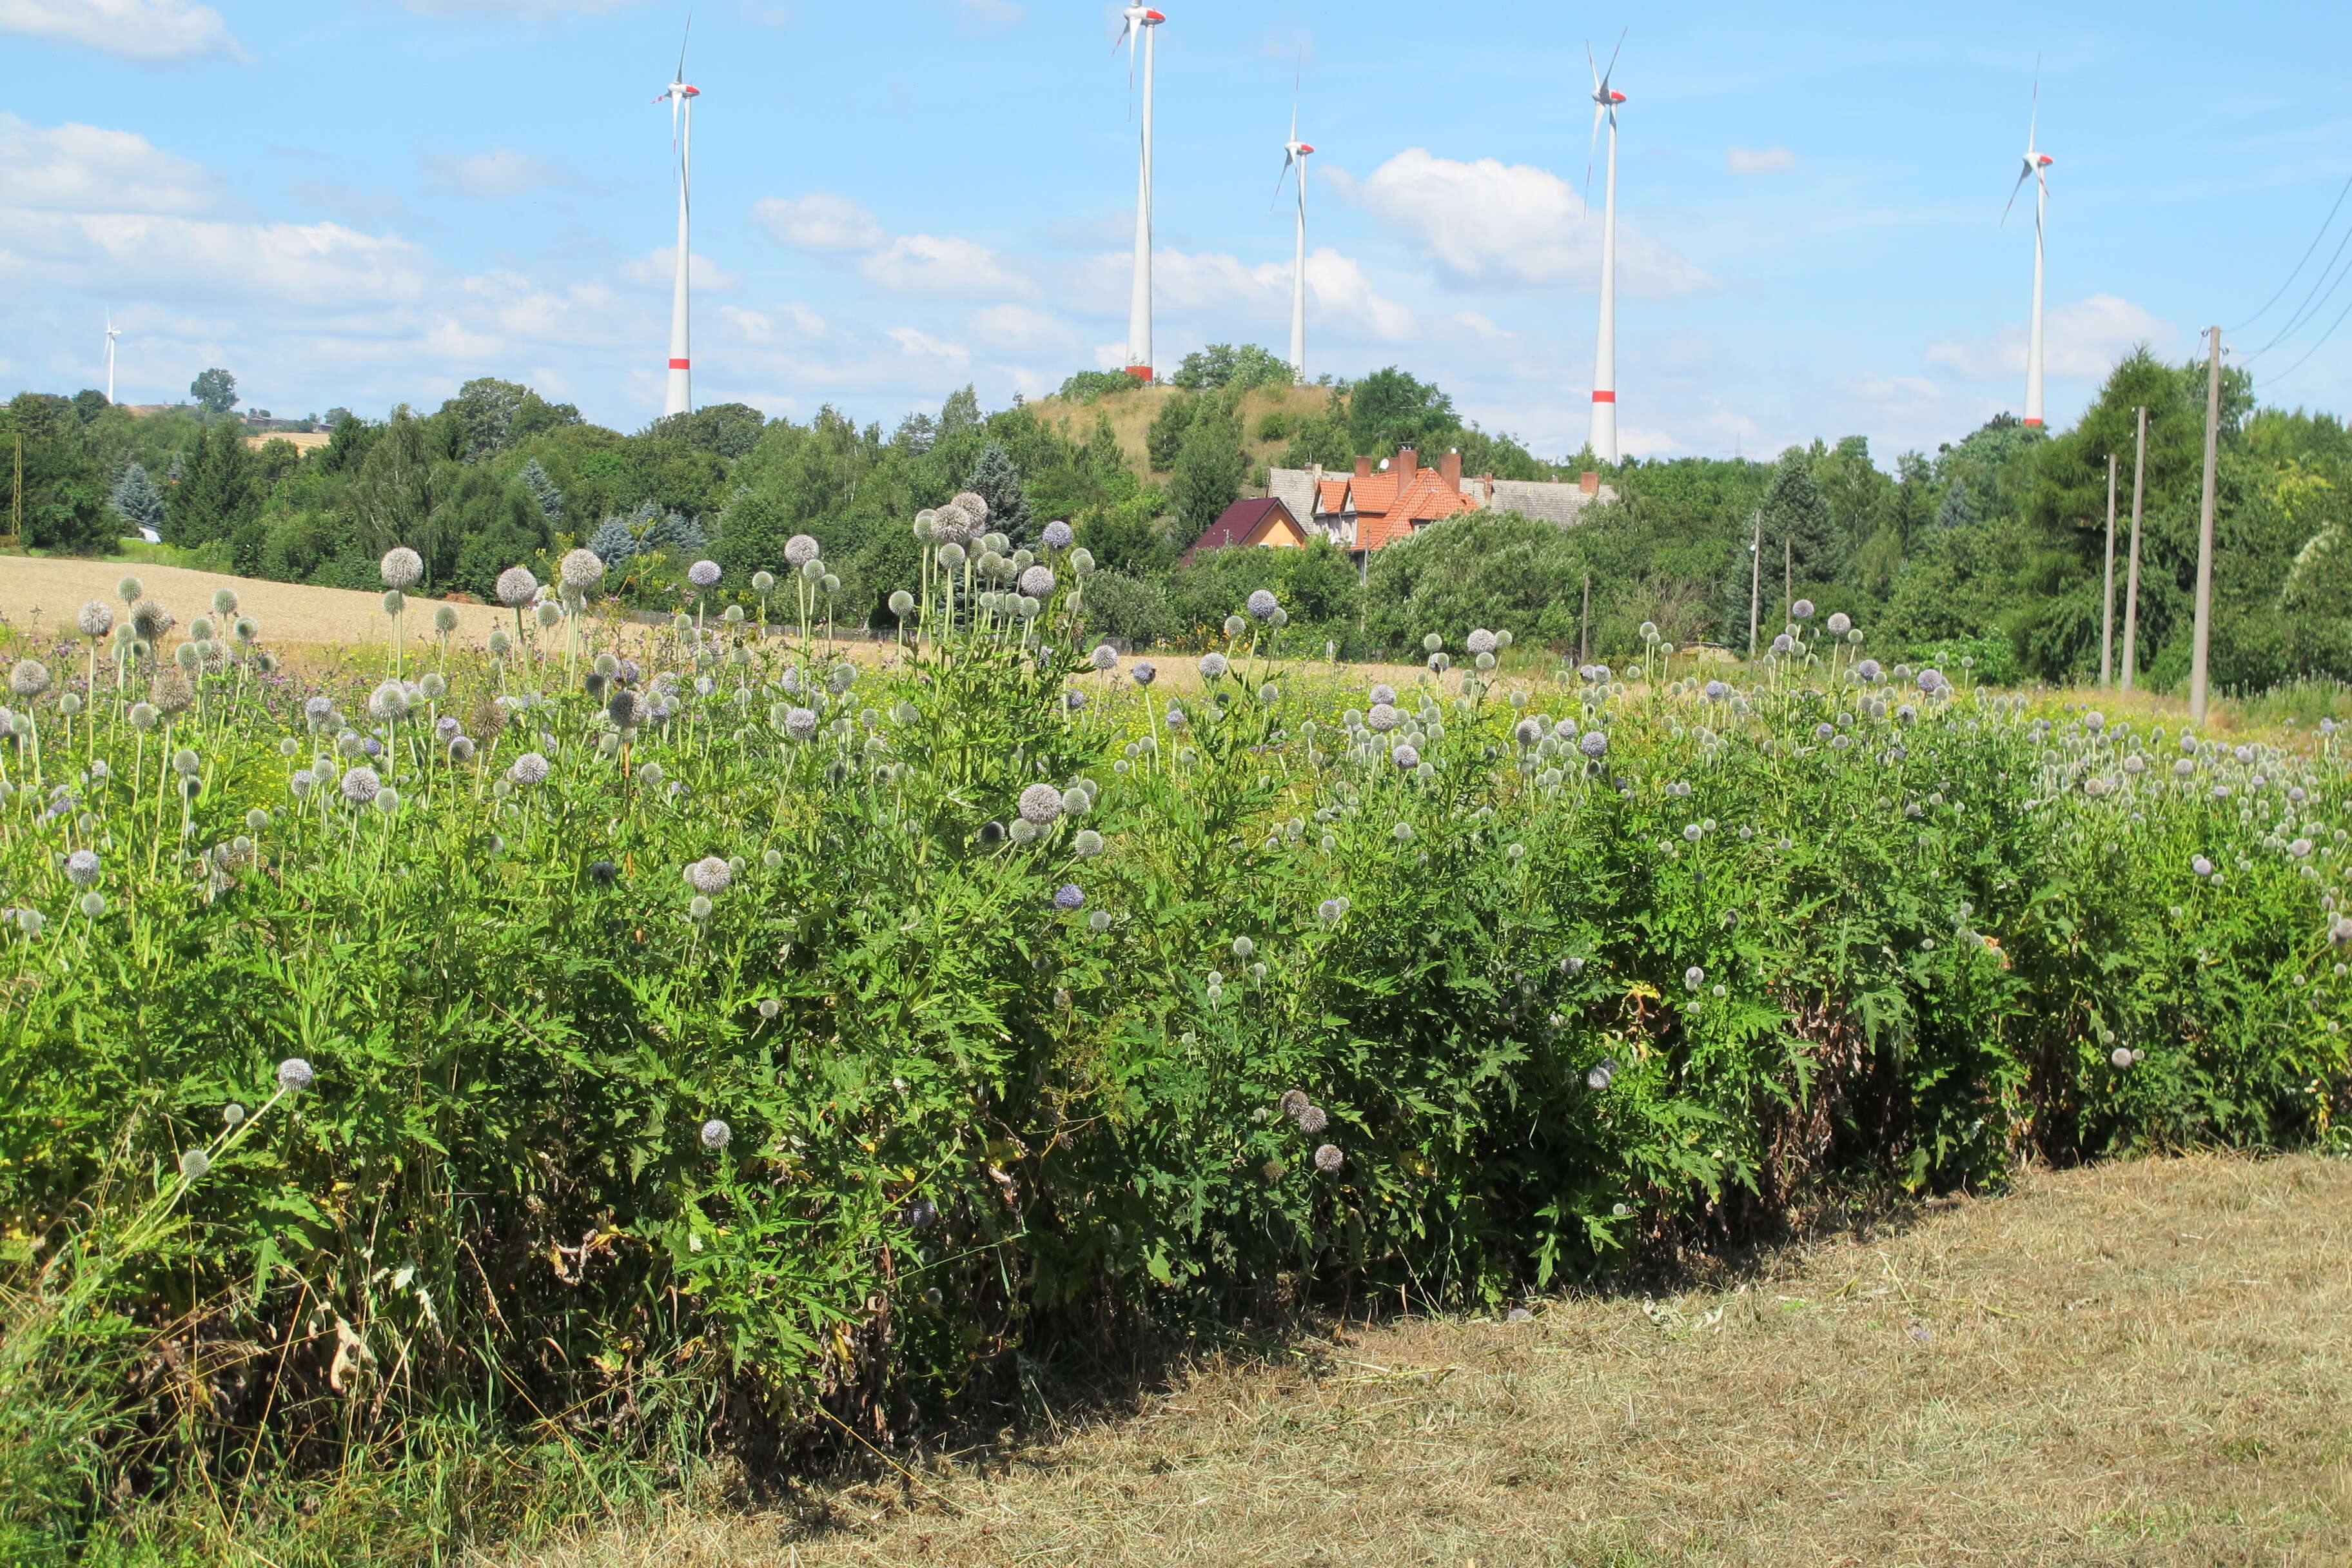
364, 202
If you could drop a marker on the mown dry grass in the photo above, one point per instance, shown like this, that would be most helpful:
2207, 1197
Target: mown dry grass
2144, 1363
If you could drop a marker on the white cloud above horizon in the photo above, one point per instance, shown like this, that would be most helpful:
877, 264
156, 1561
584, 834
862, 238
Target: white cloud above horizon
1755, 161
152, 31
1485, 223
2082, 339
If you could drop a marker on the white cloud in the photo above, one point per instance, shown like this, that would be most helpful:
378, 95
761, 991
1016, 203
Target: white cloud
792, 325
82, 168
1225, 289
923, 345
312, 264
942, 267
1490, 224
499, 174
660, 266
1344, 298
528, 10
1021, 328
820, 222
2082, 339
1482, 325
989, 16
137, 29
1759, 161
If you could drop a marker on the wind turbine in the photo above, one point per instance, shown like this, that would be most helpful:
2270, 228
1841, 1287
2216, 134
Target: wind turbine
1294, 151
1605, 100
112, 333
2036, 162
677, 393
1138, 32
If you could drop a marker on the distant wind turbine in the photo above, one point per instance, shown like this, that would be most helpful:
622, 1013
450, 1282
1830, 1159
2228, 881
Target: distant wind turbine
1137, 33
112, 333
2036, 162
1605, 100
677, 393
1294, 151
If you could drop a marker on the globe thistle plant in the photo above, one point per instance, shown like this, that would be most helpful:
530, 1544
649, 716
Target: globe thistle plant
295, 1075
401, 568
1040, 805
1058, 535
716, 1135
528, 769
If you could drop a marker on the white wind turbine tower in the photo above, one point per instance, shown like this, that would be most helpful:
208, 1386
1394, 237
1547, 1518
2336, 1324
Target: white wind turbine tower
2036, 162
1605, 100
1141, 21
112, 333
677, 393
1294, 151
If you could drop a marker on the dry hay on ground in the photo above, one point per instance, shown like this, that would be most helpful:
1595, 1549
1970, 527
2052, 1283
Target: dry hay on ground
2146, 1364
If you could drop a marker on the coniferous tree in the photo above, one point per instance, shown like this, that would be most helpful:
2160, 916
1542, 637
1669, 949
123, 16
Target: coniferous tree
996, 480
137, 500
216, 494
1955, 511
543, 491
1796, 516
614, 542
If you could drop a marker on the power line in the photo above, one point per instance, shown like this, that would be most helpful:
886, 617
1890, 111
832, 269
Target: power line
2308, 249
2313, 348
2312, 302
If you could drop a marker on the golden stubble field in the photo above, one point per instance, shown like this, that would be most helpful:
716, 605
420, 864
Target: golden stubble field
2144, 1363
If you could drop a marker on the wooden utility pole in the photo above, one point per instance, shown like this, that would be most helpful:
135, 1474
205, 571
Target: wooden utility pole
2131, 574
1787, 577
1755, 582
2107, 594
2200, 641
16, 492
1584, 625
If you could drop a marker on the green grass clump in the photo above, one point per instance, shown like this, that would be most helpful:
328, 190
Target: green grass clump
719, 1043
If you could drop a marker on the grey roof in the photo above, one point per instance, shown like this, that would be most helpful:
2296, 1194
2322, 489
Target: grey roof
1294, 487
1553, 503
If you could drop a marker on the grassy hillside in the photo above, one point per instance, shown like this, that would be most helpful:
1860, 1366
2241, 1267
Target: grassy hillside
1131, 413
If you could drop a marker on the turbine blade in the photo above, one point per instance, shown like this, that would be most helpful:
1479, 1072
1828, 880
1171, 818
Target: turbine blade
1278, 179
2012, 197
1612, 57
682, 42
1592, 65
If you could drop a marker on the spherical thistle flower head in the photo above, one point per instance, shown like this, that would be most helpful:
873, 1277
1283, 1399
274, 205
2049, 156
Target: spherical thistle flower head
716, 1134
388, 704
1382, 719
1261, 605
2200, 866
1235, 625
294, 1075
2120, 1057
626, 708
1401, 833
1482, 641
530, 768
1716, 690
516, 587
1037, 582
699, 907
95, 619
1328, 1158
800, 550
194, 1163
29, 677
1058, 535
1311, 1118
401, 567
1693, 977
703, 573
361, 786
444, 619
81, 867
580, 570
1041, 804
1069, 897
710, 876
901, 601
800, 723
1527, 731
1404, 755
1142, 671
951, 555
1213, 666
1105, 657
1594, 744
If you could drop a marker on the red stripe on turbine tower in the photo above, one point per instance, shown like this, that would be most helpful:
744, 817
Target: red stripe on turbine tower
1601, 397
681, 364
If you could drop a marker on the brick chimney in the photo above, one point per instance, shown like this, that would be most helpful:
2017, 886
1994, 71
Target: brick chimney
1449, 467
1363, 466
1407, 461
1588, 482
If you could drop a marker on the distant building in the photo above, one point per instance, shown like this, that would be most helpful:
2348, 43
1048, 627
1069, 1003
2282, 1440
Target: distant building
1376, 505
1264, 522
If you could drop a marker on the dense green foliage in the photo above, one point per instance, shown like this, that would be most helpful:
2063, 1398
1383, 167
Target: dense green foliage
711, 1035
1995, 542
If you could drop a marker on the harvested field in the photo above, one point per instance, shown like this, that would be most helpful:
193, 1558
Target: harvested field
2144, 1363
